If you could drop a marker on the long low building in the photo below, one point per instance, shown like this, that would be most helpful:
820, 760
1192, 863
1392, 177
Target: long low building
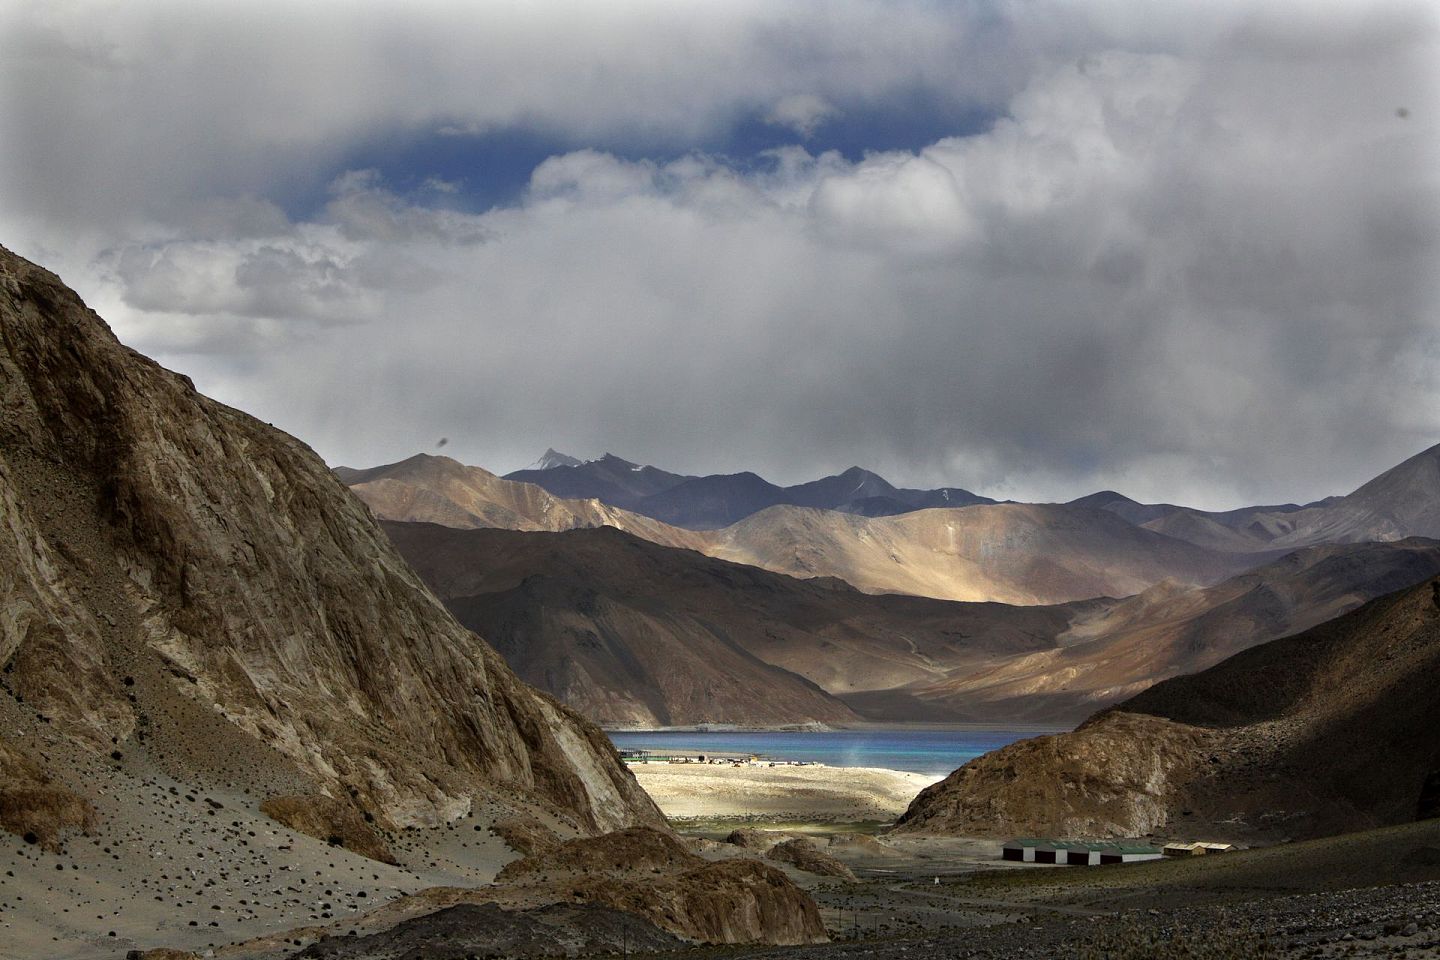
1196, 848
1078, 852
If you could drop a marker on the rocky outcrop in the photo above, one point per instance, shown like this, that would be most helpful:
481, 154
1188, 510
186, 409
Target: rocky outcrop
1116, 778
163, 554
638, 852
748, 838
653, 875
733, 901
802, 854
34, 807
328, 819
1325, 732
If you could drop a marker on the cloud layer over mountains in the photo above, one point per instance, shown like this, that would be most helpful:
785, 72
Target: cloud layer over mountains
1189, 253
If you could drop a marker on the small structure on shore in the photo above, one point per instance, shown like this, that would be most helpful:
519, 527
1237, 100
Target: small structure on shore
1196, 848
1092, 853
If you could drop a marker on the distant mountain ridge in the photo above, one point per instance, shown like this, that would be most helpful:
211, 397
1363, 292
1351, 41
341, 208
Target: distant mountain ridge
431, 489
719, 500
1104, 544
1404, 501
1013, 553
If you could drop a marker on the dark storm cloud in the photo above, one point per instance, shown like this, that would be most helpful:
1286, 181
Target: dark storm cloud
1191, 261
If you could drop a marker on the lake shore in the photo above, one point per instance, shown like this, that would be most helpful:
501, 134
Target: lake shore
762, 792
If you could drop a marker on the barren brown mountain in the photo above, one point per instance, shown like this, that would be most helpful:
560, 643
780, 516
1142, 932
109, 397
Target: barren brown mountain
164, 548
1008, 552
1011, 553
630, 632
1115, 650
1328, 731
440, 490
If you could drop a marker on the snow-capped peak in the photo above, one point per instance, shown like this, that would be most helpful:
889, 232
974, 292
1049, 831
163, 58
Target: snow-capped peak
553, 458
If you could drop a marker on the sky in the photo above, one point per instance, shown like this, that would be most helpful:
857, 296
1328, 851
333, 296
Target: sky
1032, 248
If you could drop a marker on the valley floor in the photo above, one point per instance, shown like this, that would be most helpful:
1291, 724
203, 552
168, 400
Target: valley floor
1372, 894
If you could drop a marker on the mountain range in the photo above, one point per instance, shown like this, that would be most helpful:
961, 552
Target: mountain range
1014, 553
718, 500
1401, 502
1100, 545
1134, 593
635, 634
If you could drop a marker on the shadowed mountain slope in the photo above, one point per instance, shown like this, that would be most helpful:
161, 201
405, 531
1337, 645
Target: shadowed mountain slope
1328, 731
634, 633
631, 632
1122, 648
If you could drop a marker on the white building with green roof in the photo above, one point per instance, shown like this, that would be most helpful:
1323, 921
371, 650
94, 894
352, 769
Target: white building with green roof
1092, 853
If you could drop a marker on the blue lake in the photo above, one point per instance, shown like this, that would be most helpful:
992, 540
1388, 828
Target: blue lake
919, 751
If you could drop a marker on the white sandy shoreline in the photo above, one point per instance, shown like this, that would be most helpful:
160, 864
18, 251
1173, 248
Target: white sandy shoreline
761, 791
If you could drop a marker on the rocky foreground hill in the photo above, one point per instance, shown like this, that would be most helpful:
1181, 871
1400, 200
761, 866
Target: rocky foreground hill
1328, 731
208, 650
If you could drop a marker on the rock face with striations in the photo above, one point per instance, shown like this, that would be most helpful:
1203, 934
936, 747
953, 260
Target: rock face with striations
157, 547
1324, 732
652, 875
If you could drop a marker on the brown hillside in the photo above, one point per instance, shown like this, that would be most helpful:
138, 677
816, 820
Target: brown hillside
1011, 553
1328, 731
631, 632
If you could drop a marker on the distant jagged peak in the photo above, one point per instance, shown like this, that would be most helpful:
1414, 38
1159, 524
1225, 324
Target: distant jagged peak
553, 458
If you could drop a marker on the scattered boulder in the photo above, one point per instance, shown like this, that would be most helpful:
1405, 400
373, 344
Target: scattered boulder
331, 820
161, 953
802, 854
639, 851
749, 838
861, 842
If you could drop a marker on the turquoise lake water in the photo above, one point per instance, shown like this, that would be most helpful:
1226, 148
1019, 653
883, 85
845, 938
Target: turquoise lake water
919, 751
